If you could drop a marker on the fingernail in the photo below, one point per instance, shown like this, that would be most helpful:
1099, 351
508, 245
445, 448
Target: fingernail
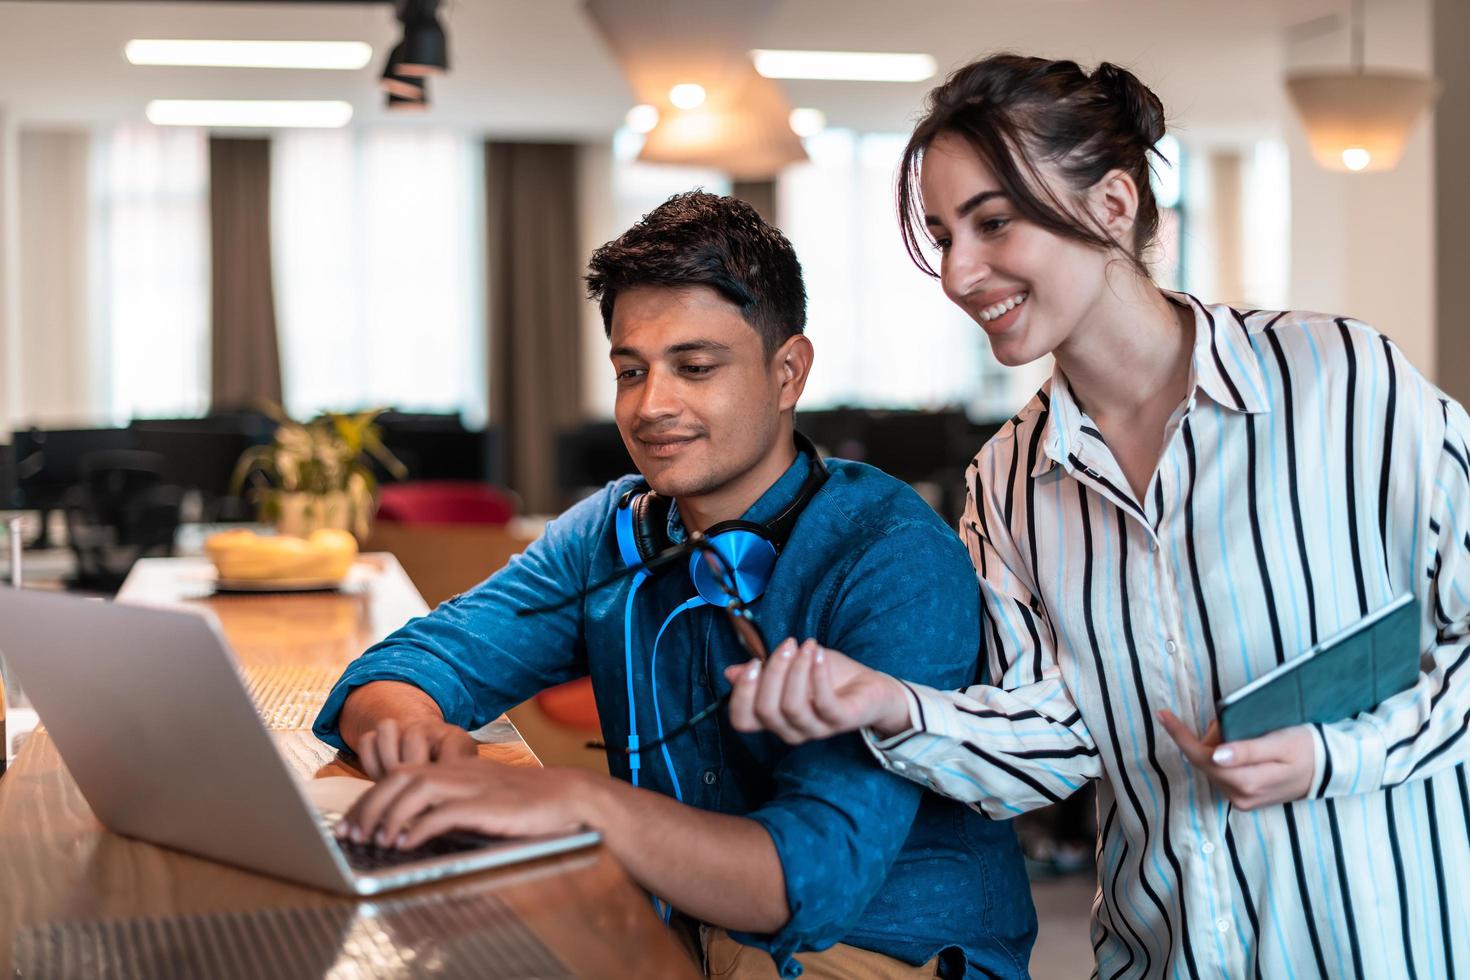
820, 654
340, 830
1223, 756
358, 836
787, 645
401, 839
787, 651
754, 671
381, 838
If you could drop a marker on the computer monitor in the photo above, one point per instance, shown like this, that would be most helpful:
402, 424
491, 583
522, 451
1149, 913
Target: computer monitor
48, 462
841, 432
589, 456
440, 447
916, 446
194, 456
9, 493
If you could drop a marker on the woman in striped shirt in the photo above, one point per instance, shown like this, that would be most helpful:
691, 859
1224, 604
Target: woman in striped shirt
1197, 494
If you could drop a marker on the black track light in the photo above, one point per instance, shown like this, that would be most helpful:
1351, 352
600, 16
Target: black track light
395, 82
397, 104
425, 48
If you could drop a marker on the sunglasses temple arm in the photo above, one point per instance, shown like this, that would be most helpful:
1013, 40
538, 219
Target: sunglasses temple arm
675, 733
657, 561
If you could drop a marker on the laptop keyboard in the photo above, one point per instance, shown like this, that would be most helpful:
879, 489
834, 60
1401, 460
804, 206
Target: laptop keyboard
370, 857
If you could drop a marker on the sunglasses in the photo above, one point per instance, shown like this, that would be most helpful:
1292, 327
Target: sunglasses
747, 634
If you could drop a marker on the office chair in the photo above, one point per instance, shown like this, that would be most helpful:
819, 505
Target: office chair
120, 512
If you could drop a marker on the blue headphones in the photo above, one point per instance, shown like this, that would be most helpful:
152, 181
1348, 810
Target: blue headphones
749, 549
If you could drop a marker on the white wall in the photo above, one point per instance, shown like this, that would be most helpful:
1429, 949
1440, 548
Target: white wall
1362, 245
596, 224
56, 383
9, 274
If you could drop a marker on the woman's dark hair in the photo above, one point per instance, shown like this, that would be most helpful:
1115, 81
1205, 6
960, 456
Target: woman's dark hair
1018, 113
702, 239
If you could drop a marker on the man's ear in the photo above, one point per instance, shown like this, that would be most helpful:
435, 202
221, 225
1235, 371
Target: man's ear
793, 364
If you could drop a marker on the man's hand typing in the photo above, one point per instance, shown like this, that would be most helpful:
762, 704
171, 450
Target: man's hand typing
390, 725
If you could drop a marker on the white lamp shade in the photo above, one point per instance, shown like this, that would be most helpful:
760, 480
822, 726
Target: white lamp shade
743, 124
748, 134
1359, 121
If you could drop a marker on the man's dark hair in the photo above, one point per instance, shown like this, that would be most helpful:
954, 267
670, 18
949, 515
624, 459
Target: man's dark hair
702, 239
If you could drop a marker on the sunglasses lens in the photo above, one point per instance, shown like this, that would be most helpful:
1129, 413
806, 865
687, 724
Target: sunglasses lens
748, 635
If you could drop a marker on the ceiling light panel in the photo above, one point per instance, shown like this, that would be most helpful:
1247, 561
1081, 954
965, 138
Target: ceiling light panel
251, 114
322, 55
845, 66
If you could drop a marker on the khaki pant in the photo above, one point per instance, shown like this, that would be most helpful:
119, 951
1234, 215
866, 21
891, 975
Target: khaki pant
723, 957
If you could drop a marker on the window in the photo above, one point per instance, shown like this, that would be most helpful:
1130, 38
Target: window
150, 271
885, 334
377, 249
615, 191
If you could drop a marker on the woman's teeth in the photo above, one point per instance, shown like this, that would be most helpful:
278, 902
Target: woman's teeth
1003, 307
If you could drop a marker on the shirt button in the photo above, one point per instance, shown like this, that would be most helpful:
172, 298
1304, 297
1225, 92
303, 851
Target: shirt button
900, 766
1171, 646
1222, 924
710, 777
1153, 546
704, 680
1208, 847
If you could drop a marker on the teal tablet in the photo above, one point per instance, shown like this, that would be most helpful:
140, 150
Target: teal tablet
1346, 674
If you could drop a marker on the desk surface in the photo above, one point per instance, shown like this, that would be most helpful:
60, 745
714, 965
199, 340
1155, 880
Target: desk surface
58, 863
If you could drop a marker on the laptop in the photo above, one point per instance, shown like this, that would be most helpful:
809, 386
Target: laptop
152, 717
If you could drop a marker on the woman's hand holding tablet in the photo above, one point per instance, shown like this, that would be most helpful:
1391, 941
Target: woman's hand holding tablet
1275, 768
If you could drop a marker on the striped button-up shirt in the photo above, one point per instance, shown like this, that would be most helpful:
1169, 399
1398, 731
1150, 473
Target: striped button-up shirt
1309, 477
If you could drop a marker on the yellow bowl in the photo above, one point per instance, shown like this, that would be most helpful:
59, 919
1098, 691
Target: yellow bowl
244, 556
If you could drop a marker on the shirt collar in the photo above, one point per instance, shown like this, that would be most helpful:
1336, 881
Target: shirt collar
767, 506
1223, 365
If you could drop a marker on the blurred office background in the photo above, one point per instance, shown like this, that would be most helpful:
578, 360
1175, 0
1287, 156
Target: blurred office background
157, 280
427, 260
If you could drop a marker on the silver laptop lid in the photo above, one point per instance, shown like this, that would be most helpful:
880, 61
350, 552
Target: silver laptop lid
150, 715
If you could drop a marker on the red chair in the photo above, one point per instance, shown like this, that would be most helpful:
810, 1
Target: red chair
571, 704
444, 502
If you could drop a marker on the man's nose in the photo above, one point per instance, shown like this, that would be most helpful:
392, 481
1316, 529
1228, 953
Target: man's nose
659, 398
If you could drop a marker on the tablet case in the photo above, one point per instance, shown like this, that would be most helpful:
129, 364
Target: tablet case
1345, 675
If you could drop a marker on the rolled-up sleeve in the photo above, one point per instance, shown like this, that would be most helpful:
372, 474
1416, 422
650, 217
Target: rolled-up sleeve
1020, 742
475, 655
907, 605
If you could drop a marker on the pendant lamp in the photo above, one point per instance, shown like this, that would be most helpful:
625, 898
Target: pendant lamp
1359, 120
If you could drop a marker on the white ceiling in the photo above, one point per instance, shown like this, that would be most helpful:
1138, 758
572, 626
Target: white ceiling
537, 68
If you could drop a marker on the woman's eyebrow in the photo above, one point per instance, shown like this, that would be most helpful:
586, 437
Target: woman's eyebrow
970, 204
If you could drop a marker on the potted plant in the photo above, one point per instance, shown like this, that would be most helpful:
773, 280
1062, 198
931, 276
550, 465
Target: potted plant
317, 474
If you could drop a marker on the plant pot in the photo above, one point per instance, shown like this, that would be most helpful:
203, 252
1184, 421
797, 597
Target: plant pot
302, 513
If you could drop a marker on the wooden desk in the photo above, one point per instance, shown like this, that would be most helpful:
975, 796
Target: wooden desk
58, 863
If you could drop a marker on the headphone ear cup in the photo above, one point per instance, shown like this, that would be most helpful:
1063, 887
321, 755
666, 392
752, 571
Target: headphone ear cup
627, 539
751, 559
650, 531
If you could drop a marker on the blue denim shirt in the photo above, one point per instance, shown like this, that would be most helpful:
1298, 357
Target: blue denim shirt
870, 859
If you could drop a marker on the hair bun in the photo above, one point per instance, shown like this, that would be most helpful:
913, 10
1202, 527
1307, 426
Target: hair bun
1140, 109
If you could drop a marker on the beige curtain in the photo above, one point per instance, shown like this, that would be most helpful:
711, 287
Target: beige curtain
245, 362
759, 194
535, 292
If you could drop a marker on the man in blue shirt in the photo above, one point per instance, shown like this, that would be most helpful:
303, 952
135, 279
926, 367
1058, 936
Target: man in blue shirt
781, 852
